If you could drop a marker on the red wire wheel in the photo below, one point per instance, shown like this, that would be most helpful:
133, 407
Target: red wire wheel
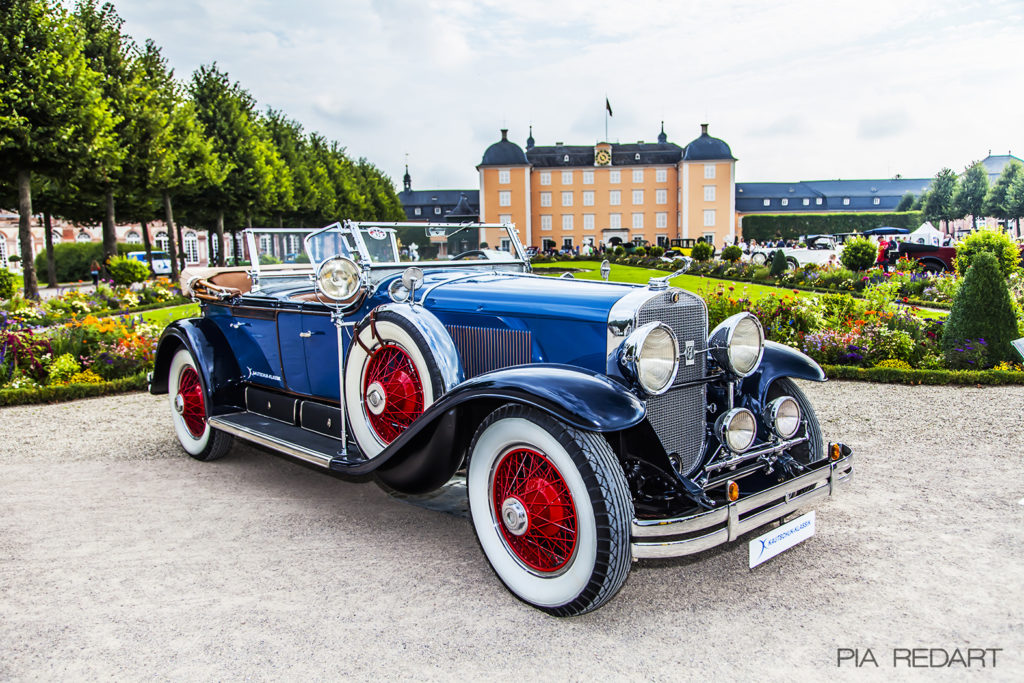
535, 510
192, 406
392, 390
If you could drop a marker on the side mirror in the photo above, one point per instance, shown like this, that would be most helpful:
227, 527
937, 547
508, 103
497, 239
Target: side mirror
1019, 345
412, 279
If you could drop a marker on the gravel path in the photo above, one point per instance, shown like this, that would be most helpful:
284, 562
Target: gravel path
120, 557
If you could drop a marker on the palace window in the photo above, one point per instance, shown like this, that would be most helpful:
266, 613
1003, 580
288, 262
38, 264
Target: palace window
567, 198
588, 177
710, 193
505, 198
615, 197
133, 237
192, 247
567, 177
638, 197
545, 199
545, 222
545, 178
615, 220
588, 198
161, 241
661, 196
661, 175
876, 201
709, 217
638, 175
638, 221
588, 221
709, 171
614, 177
767, 202
566, 221
661, 220
785, 201
504, 176
846, 201
807, 202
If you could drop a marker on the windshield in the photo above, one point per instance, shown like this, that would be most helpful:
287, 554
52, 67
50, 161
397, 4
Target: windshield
408, 243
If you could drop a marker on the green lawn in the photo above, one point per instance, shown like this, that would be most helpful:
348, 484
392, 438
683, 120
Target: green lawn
693, 283
165, 316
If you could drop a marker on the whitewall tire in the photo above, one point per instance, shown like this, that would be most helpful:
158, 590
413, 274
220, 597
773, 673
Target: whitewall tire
551, 510
188, 402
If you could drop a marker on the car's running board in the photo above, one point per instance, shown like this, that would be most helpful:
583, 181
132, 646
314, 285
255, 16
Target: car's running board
295, 441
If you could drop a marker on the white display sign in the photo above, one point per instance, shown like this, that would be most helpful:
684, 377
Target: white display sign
782, 538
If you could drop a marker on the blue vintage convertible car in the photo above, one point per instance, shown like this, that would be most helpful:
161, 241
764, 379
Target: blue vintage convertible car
595, 423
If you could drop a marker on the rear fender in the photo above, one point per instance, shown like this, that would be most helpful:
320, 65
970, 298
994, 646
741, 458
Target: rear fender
218, 370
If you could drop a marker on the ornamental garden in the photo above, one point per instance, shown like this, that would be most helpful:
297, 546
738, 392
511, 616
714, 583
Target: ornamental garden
856, 319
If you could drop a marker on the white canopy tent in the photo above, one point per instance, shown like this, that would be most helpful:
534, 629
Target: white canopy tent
926, 234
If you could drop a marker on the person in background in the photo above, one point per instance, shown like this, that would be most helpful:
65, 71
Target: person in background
882, 261
94, 270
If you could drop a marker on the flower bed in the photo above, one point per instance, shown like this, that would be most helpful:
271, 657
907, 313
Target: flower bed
107, 299
838, 330
87, 351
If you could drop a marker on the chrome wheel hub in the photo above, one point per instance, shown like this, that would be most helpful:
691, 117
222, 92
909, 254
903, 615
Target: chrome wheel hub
179, 404
376, 398
514, 517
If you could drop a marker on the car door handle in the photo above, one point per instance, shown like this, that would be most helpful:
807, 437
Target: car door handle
306, 335
235, 325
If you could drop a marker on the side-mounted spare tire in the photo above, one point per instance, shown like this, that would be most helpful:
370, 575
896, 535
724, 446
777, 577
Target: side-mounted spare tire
391, 377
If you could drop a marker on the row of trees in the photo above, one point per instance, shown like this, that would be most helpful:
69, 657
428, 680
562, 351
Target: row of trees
93, 125
951, 196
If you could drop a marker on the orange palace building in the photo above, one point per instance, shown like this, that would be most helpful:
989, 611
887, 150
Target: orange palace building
566, 196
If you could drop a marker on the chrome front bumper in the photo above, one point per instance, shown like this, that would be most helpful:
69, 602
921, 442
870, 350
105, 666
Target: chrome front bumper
682, 535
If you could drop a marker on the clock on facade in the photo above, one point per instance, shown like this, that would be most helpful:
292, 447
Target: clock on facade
603, 157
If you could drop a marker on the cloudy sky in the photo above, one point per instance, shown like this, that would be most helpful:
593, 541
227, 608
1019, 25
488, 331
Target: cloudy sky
800, 89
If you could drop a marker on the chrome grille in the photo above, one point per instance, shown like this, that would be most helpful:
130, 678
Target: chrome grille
483, 349
678, 415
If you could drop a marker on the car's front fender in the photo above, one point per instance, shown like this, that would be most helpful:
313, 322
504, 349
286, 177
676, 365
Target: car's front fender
429, 452
778, 361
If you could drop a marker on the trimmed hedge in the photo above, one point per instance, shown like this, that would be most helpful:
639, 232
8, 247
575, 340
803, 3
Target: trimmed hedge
938, 377
72, 259
766, 226
70, 392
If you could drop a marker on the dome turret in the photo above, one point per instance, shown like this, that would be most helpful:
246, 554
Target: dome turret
504, 153
706, 148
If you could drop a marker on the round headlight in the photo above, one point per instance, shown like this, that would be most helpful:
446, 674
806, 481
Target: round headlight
736, 429
738, 344
651, 355
783, 416
338, 278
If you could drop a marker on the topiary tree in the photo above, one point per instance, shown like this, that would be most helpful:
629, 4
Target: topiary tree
619, 250
702, 251
657, 251
732, 253
982, 323
995, 242
779, 263
859, 253
6, 283
127, 271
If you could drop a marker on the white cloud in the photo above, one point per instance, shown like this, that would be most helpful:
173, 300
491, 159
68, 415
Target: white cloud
799, 88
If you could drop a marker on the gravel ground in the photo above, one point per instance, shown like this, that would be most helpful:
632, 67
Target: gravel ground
120, 557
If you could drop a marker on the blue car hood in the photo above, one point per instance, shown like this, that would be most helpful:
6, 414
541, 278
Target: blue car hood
535, 297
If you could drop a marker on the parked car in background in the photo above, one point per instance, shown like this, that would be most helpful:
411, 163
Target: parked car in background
818, 249
161, 261
591, 423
